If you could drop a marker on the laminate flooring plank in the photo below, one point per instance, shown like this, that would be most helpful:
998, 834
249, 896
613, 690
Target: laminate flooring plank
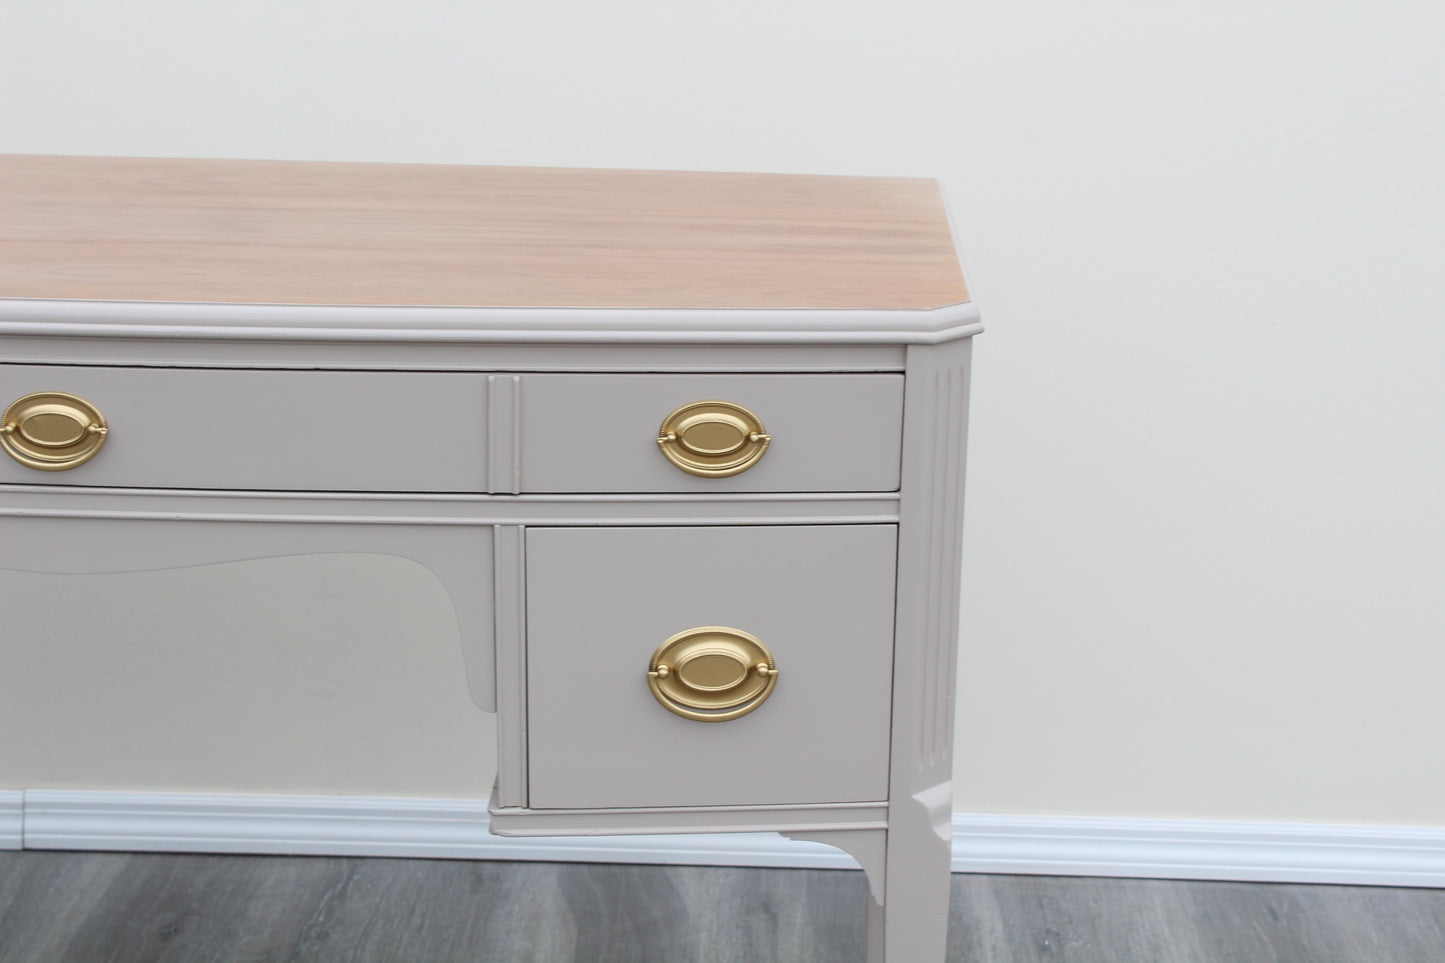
40, 900
65, 907
1331, 924
1048, 918
1091, 920
1414, 920
157, 908
455, 911
643, 914
800, 916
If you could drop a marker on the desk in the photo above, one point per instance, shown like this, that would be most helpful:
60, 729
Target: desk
685, 449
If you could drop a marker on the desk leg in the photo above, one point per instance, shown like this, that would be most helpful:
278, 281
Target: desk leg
930, 529
875, 931
908, 877
917, 878
870, 848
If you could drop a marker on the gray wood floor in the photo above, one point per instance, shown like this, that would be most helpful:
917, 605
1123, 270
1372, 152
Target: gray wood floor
148, 908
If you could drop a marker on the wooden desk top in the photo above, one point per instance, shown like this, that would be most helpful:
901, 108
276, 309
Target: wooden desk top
287, 232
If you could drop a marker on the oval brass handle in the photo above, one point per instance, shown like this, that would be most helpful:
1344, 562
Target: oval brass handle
712, 673
52, 430
713, 439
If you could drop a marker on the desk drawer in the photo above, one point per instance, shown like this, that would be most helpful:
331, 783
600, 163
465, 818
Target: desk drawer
600, 601
277, 430
599, 433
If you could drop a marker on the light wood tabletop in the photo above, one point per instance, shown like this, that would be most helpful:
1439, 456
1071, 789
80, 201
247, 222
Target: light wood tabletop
289, 232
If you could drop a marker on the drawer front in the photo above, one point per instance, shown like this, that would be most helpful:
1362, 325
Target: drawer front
276, 430
600, 601
599, 433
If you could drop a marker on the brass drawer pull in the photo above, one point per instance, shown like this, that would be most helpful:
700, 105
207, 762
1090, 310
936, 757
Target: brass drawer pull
52, 431
712, 673
713, 439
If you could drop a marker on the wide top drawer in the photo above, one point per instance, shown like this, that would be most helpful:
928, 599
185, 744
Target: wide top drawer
261, 430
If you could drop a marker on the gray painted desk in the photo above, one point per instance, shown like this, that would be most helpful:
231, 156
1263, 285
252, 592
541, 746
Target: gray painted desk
685, 449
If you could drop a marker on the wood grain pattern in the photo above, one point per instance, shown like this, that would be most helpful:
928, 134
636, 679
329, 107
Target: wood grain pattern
1040, 919
156, 908
291, 232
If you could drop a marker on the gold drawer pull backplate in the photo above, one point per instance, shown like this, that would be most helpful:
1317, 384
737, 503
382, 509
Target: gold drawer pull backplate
52, 431
713, 439
712, 673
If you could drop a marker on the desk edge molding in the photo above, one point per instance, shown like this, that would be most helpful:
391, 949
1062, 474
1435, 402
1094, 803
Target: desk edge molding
529, 325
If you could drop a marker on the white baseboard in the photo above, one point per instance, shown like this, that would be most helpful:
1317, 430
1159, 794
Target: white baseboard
12, 820
1198, 849
457, 829
366, 826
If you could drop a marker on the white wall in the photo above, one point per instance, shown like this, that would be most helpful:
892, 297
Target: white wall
1205, 530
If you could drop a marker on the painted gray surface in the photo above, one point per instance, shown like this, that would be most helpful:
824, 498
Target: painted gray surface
390, 355
600, 601
816, 818
460, 556
124, 908
599, 432
920, 788
60, 501
510, 602
285, 430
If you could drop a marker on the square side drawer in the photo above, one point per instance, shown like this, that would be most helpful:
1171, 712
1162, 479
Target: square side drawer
599, 433
600, 602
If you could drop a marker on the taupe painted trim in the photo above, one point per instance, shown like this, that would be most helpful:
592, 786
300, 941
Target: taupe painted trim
935, 418
504, 434
509, 545
429, 509
312, 322
929, 568
868, 846
944, 466
633, 358
710, 819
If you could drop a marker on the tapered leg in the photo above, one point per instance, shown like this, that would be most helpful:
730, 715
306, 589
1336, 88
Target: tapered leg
915, 916
907, 866
920, 788
908, 863
875, 931
870, 848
